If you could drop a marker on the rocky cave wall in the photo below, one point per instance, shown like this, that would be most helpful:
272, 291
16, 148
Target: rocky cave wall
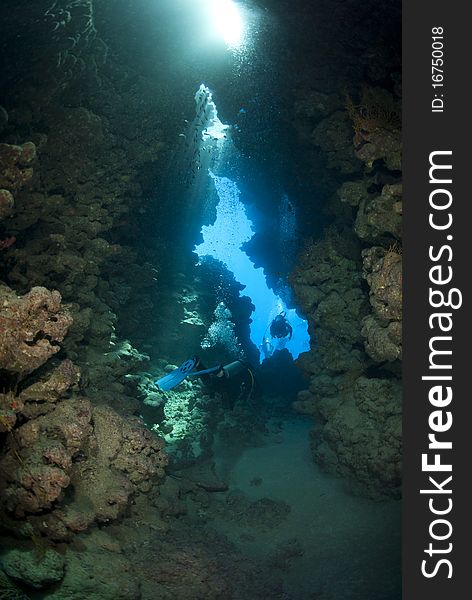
349, 284
76, 143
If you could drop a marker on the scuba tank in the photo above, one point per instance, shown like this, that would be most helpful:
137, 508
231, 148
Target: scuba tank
266, 347
234, 368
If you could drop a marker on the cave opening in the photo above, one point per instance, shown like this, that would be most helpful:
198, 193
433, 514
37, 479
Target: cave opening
224, 239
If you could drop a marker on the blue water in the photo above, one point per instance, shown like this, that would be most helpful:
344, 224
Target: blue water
223, 241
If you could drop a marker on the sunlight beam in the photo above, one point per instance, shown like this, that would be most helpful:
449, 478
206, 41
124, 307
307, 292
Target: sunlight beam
227, 21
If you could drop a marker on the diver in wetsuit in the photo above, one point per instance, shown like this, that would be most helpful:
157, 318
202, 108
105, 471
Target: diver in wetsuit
218, 372
280, 327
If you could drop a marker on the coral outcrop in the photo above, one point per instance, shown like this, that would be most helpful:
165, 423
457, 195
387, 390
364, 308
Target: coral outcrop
376, 120
382, 329
6, 204
332, 136
36, 469
57, 440
104, 457
362, 435
15, 171
101, 572
8, 590
15, 161
379, 217
31, 328
33, 570
351, 292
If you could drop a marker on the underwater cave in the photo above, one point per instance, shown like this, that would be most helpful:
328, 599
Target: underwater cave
200, 299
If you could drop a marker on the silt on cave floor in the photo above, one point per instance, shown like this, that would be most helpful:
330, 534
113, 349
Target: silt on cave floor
284, 480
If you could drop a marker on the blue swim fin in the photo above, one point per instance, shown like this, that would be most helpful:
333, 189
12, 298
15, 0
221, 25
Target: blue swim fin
177, 376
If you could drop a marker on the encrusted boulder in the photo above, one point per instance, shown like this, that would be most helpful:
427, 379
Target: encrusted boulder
38, 572
41, 396
15, 169
383, 271
31, 328
362, 439
382, 329
121, 458
354, 192
9, 590
380, 216
382, 145
101, 572
7, 203
376, 121
37, 466
383, 341
103, 456
328, 287
334, 136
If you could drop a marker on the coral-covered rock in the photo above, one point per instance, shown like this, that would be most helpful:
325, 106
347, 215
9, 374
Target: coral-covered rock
382, 329
353, 192
328, 286
140, 455
383, 342
34, 571
40, 397
334, 136
376, 120
310, 108
97, 574
121, 456
106, 457
363, 436
10, 407
9, 590
382, 145
31, 328
358, 419
380, 216
37, 466
7, 415
15, 171
7, 203
35, 487
383, 271
315, 105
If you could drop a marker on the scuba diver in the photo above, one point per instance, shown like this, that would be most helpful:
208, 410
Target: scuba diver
186, 369
280, 330
280, 327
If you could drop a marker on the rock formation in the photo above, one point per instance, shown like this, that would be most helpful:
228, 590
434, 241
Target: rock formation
350, 291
